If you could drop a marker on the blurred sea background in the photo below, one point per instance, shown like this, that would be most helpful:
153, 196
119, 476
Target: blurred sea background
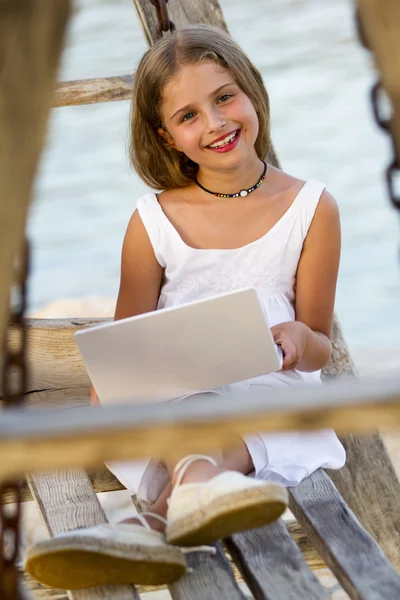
318, 78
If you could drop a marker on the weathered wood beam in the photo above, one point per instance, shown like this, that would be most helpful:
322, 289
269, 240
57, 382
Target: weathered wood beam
369, 484
110, 89
31, 39
102, 480
189, 12
381, 26
351, 553
41, 440
273, 566
91, 91
55, 362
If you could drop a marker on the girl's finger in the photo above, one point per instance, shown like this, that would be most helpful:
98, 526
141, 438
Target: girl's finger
288, 356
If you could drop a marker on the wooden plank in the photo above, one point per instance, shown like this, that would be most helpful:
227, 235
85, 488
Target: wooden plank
272, 565
40, 440
340, 363
55, 362
381, 26
102, 480
54, 359
67, 501
351, 553
369, 485
211, 578
27, 73
189, 12
91, 91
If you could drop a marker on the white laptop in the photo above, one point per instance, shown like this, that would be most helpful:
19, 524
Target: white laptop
176, 351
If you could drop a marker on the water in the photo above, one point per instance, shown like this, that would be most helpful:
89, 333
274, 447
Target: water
318, 78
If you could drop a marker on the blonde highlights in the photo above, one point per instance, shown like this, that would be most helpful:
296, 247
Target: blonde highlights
158, 164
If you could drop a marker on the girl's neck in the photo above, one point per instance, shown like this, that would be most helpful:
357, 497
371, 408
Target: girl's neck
233, 180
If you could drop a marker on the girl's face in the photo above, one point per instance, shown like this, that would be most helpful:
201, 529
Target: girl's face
207, 116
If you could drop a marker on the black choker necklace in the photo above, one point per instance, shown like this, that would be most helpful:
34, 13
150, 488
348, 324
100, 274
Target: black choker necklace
242, 193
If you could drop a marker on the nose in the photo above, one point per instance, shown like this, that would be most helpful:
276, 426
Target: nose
215, 119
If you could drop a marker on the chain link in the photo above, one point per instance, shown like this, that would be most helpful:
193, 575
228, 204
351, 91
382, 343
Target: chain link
14, 387
378, 94
164, 24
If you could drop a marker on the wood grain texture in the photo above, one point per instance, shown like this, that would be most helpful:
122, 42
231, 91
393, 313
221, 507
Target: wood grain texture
66, 501
370, 486
184, 13
381, 25
272, 565
102, 480
91, 91
55, 362
40, 440
351, 553
31, 39
211, 579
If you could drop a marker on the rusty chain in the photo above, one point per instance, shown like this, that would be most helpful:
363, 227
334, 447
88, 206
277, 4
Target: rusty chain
164, 24
14, 387
377, 100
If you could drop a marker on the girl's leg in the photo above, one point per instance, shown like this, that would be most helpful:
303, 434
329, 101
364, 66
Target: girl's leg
236, 458
159, 507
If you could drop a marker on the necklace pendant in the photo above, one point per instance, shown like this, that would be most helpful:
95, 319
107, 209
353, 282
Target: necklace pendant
243, 193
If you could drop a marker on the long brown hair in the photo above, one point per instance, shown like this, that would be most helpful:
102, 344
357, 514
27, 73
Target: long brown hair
158, 164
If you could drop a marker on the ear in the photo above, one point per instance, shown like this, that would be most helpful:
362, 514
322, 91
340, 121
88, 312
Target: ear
167, 138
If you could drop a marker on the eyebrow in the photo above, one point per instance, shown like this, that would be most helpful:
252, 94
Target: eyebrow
184, 108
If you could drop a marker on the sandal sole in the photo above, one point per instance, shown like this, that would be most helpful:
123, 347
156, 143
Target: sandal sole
82, 564
240, 511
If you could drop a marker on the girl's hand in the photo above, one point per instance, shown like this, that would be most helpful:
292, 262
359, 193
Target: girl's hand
94, 399
292, 337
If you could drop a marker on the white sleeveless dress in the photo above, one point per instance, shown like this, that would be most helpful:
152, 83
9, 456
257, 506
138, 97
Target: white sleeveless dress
269, 264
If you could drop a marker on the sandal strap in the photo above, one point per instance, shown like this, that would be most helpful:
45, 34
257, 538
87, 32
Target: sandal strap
141, 517
182, 466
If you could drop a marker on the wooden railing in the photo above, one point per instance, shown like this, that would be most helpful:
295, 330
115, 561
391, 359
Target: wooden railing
87, 437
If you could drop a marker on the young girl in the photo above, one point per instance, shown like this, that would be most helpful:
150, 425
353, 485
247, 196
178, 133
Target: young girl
224, 220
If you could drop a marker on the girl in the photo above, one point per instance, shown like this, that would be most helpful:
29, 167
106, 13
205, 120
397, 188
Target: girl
224, 220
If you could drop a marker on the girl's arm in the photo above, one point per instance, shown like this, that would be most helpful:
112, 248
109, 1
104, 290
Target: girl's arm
306, 341
141, 277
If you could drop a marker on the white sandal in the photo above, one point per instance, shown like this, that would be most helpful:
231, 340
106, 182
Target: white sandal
202, 513
107, 554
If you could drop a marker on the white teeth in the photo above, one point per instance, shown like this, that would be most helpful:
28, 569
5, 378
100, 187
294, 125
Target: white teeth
227, 140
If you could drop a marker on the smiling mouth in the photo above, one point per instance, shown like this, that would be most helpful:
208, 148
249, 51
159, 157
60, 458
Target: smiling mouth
228, 139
